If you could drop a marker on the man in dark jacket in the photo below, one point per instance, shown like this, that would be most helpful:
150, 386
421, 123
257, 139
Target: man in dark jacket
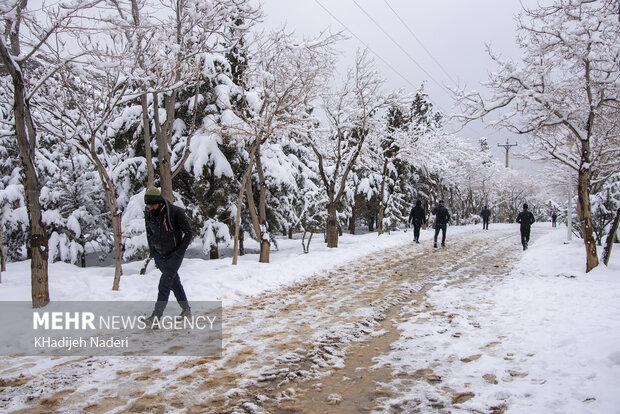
442, 217
417, 217
485, 214
525, 219
168, 233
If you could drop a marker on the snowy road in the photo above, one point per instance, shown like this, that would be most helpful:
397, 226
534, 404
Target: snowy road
333, 343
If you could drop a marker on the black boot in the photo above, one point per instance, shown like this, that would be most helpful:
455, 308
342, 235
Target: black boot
185, 313
152, 322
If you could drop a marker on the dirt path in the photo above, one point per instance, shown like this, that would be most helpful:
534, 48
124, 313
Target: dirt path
306, 348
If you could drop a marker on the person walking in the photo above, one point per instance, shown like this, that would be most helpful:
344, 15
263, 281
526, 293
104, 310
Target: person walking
525, 219
168, 233
485, 214
442, 217
417, 217
554, 218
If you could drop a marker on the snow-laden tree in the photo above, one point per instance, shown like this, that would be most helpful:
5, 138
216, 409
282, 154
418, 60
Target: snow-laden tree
606, 213
365, 184
283, 76
13, 212
134, 229
215, 191
75, 206
564, 93
281, 181
605, 202
352, 114
84, 112
404, 127
305, 199
383, 148
28, 47
187, 38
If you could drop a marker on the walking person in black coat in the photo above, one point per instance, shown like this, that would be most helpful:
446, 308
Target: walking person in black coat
442, 217
417, 217
485, 214
168, 233
525, 219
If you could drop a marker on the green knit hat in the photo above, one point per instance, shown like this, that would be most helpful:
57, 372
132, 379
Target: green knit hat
153, 196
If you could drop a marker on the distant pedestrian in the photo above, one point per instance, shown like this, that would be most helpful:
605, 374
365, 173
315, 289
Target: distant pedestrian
442, 217
168, 233
554, 218
417, 217
485, 214
525, 219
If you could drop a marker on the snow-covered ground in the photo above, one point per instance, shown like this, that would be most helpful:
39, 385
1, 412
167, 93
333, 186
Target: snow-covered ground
546, 338
207, 279
547, 335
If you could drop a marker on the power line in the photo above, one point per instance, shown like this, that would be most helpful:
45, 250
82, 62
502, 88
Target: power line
424, 47
402, 49
372, 51
420, 42
387, 63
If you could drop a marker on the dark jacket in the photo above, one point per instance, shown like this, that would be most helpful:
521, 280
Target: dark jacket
169, 231
485, 213
417, 216
442, 215
525, 218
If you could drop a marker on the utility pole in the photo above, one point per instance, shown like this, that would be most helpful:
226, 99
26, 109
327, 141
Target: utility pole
507, 146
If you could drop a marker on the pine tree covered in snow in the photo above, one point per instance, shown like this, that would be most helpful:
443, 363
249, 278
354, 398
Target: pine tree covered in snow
213, 198
75, 210
605, 204
13, 214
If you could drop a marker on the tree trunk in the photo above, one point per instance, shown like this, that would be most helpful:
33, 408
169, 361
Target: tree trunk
332, 226
241, 237
244, 180
585, 217
146, 264
611, 237
214, 253
146, 127
26, 142
352, 221
264, 251
290, 233
304, 245
265, 238
381, 203
118, 246
252, 207
163, 152
83, 254
116, 215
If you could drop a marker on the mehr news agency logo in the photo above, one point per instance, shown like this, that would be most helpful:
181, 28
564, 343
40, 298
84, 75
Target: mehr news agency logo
88, 321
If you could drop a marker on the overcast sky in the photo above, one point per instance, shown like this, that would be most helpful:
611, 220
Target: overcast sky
453, 31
